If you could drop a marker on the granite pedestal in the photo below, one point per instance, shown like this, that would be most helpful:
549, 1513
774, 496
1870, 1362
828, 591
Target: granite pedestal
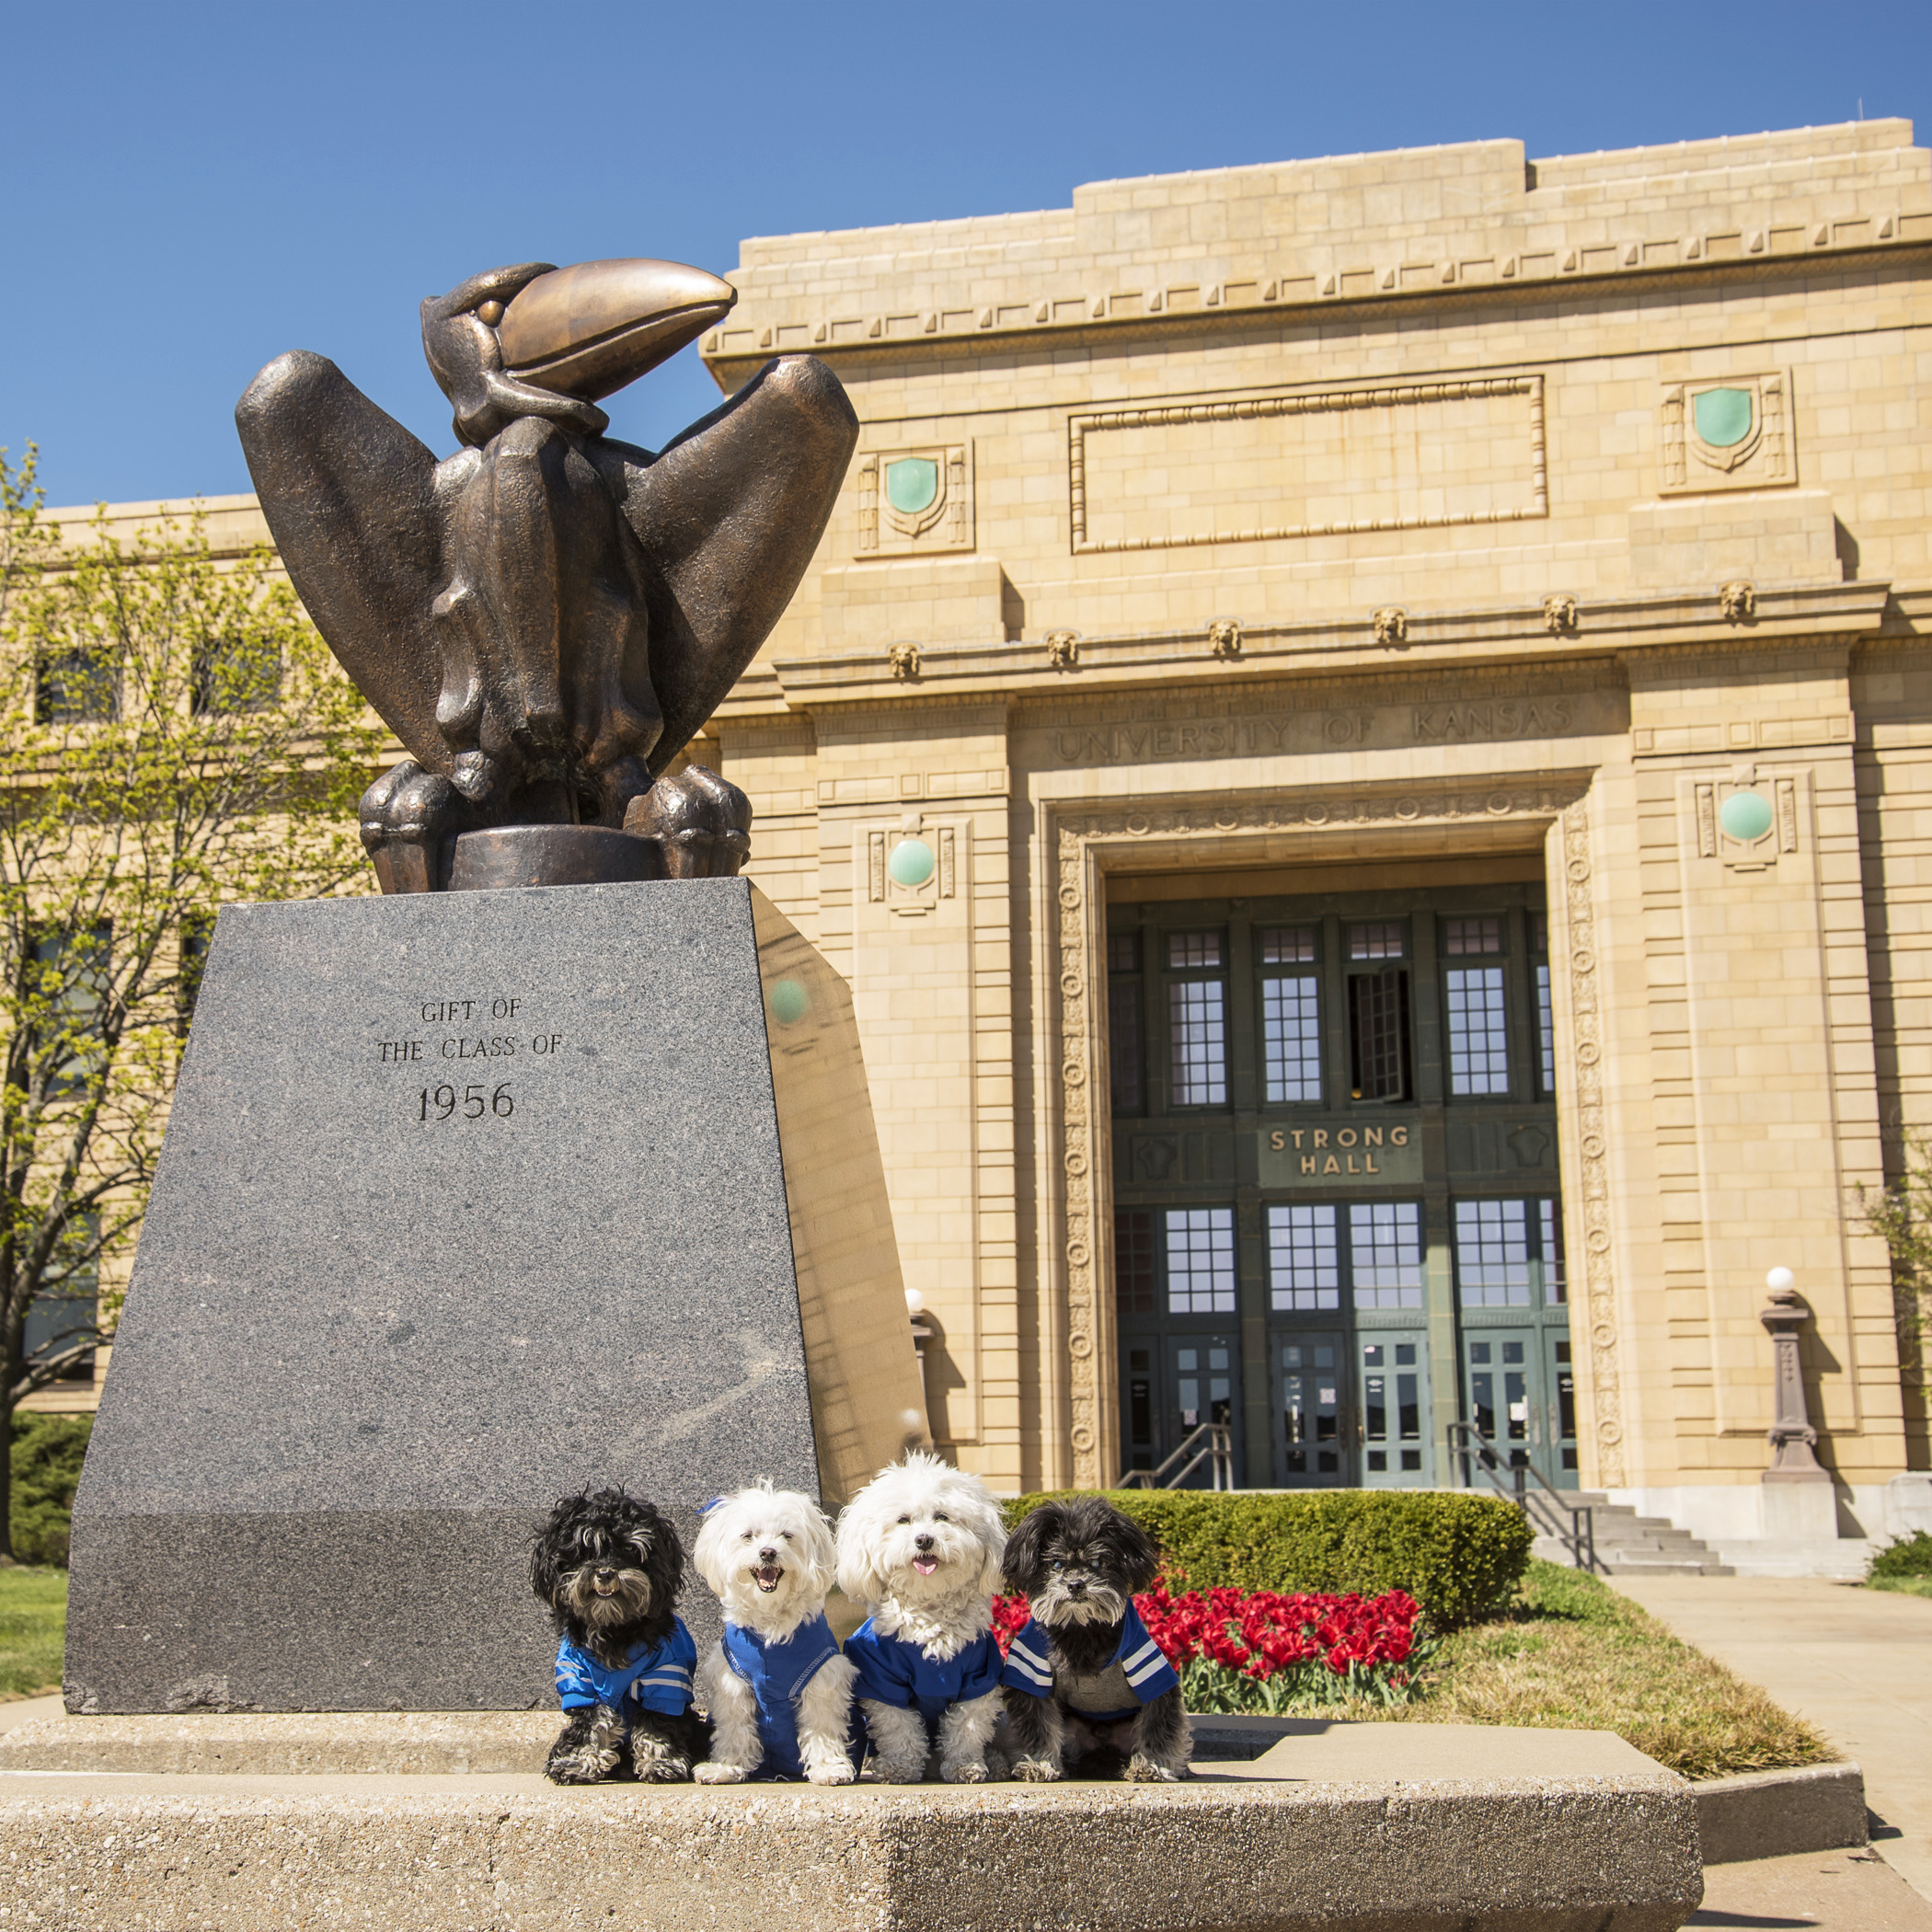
470, 1199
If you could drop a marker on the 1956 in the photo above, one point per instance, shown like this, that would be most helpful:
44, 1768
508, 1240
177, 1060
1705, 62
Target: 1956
441, 1103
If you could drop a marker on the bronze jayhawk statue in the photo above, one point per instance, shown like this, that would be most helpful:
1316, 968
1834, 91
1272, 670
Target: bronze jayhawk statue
548, 616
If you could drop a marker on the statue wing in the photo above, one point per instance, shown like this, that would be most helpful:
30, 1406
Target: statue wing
350, 499
728, 516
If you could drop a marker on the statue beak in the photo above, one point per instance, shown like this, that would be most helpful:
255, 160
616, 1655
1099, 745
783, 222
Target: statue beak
585, 331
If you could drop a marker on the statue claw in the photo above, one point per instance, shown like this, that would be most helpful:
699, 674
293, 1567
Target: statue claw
409, 821
702, 824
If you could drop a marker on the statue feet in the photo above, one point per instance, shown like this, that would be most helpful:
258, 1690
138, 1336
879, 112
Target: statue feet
409, 821
702, 824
